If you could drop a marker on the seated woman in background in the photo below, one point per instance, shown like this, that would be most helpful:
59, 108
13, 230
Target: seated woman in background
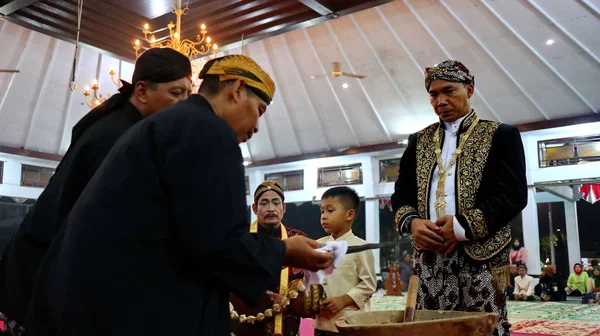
577, 282
523, 285
593, 290
550, 287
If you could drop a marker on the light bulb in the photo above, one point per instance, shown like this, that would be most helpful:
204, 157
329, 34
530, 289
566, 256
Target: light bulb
152, 39
345, 85
137, 42
208, 39
215, 47
203, 26
176, 35
146, 26
95, 81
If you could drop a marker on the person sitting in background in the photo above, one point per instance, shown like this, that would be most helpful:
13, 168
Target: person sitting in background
550, 287
593, 288
577, 282
511, 287
523, 286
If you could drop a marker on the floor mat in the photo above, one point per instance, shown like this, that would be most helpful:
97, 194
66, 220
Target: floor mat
562, 328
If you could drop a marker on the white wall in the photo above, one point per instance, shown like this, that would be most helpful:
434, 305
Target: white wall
11, 181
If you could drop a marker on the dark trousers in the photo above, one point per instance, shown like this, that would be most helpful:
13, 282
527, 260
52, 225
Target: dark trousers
324, 333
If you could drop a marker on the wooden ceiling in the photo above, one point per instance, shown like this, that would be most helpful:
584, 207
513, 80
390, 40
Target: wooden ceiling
113, 25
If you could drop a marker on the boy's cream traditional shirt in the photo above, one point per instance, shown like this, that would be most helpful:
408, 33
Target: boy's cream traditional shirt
355, 277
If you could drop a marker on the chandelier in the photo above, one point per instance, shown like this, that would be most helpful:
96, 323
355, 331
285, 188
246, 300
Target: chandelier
98, 98
194, 50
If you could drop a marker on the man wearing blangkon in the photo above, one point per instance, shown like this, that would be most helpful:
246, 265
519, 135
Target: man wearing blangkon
162, 77
159, 238
461, 182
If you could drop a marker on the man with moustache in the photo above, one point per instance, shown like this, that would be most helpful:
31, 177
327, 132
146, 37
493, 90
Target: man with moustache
461, 181
269, 208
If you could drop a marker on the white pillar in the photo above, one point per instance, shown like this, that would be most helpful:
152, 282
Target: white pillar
372, 227
370, 176
531, 234
572, 233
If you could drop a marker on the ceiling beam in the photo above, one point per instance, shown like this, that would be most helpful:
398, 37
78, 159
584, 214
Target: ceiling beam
8, 7
570, 121
299, 25
316, 6
553, 123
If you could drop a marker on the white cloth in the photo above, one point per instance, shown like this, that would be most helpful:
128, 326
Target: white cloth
448, 147
339, 249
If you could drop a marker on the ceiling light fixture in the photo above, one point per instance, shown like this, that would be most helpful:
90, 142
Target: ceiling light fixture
550, 42
345, 85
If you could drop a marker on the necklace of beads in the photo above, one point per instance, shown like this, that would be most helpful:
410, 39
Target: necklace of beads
277, 308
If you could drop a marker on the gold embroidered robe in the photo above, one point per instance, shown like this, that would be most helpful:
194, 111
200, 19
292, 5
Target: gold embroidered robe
491, 186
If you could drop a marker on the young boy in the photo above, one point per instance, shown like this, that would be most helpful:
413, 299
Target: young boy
350, 287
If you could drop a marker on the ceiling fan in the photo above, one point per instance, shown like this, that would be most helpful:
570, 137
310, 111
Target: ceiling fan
9, 70
337, 72
337, 65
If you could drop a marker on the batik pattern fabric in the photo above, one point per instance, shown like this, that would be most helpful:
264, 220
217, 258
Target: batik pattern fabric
12, 328
459, 283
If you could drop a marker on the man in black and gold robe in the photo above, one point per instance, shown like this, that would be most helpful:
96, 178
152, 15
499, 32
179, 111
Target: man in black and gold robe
159, 237
269, 208
162, 77
461, 181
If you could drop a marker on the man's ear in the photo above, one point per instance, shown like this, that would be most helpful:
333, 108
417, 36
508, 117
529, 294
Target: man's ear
141, 91
237, 89
470, 90
254, 208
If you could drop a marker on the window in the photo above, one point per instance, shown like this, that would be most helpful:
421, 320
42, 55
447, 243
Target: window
290, 180
388, 170
340, 175
33, 176
569, 151
247, 185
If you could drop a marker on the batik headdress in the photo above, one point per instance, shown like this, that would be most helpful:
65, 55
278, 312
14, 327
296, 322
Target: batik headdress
266, 186
451, 71
234, 67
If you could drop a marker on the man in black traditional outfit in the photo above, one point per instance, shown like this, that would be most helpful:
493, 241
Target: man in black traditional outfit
269, 208
461, 181
162, 77
159, 237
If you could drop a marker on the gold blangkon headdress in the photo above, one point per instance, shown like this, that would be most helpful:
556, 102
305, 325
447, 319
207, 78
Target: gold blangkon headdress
234, 67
